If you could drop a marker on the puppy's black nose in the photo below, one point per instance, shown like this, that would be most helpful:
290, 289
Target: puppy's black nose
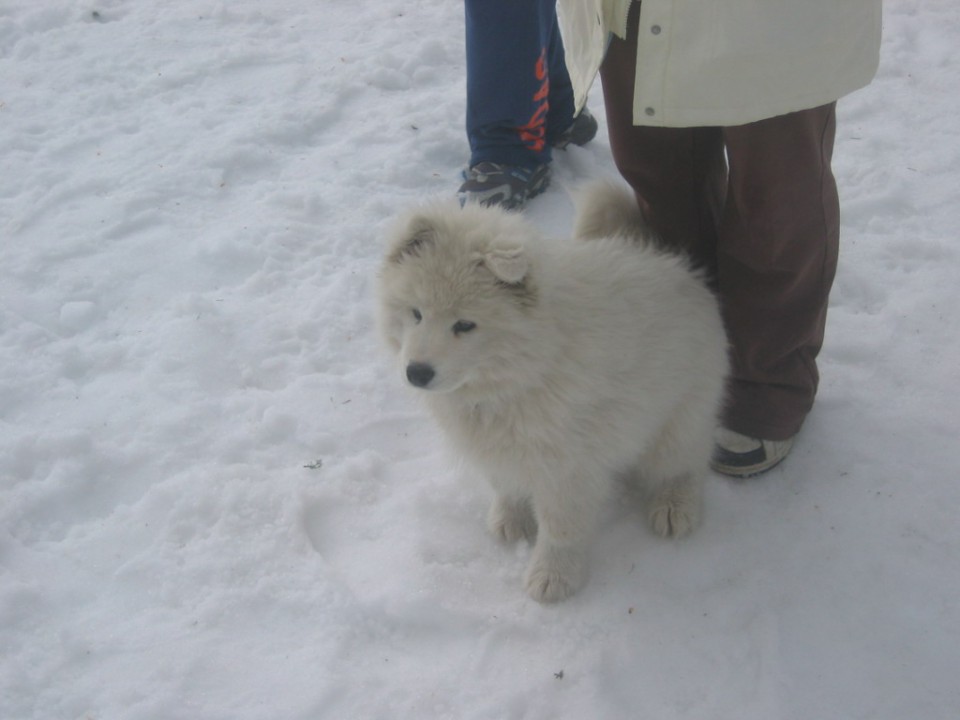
420, 374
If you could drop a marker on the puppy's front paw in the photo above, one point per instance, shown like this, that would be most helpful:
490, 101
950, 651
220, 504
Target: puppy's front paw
511, 520
555, 575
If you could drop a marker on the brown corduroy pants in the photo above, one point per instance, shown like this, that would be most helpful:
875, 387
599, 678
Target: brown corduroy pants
766, 228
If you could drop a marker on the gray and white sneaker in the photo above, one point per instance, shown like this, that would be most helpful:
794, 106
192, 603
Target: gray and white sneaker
742, 456
508, 186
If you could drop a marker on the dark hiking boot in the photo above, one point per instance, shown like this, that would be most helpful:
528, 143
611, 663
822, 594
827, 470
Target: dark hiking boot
581, 131
508, 186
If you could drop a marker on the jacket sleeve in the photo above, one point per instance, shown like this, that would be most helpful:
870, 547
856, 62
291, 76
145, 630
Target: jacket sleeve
585, 26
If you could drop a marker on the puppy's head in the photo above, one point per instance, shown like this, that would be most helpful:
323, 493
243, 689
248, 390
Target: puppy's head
454, 284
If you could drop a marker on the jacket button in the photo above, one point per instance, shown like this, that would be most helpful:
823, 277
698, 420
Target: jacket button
655, 29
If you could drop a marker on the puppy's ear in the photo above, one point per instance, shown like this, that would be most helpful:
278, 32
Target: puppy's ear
418, 232
508, 264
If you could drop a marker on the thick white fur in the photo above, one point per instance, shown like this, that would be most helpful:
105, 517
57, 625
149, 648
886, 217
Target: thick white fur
590, 357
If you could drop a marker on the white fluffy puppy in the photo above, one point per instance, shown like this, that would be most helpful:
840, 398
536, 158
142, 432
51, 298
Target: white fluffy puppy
555, 365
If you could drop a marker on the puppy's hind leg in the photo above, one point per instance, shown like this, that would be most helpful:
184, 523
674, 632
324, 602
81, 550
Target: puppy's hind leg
675, 506
673, 471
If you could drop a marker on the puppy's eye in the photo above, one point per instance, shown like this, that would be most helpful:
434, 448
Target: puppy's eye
463, 326
416, 314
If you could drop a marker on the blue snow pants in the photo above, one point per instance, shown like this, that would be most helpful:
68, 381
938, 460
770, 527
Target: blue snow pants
519, 97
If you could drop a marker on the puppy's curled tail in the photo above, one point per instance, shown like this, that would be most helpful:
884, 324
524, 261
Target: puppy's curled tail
605, 209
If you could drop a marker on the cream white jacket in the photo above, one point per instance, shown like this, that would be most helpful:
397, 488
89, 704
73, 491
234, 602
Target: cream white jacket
728, 62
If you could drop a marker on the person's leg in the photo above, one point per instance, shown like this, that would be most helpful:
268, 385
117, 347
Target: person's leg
779, 241
561, 106
677, 174
507, 82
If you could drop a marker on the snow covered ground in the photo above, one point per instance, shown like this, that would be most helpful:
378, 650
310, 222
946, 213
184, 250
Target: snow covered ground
217, 501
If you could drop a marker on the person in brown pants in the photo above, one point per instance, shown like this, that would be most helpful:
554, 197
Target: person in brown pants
755, 205
766, 230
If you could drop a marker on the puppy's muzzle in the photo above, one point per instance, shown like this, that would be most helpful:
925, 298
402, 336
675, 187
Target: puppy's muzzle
420, 374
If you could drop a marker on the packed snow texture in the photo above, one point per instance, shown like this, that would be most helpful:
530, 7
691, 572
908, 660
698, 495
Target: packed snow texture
218, 500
